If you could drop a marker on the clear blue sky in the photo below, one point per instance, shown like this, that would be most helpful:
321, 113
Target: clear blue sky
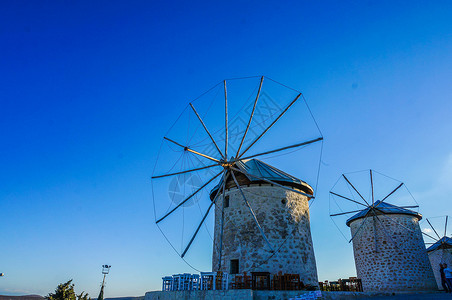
88, 88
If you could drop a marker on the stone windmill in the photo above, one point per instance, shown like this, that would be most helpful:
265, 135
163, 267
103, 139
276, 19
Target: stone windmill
282, 242
439, 251
387, 241
261, 220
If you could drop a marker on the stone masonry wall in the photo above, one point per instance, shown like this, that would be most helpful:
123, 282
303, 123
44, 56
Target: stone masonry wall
284, 217
390, 254
440, 256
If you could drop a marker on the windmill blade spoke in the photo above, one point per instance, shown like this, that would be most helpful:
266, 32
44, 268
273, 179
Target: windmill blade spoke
410, 206
251, 117
226, 121
426, 234
188, 198
186, 148
384, 229
186, 171
344, 213
390, 219
197, 230
199, 226
346, 198
205, 128
434, 230
400, 185
375, 232
348, 181
273, 123
280, 149
372, 186
359, 229
272, 182
225, 177
445, 227
252, 212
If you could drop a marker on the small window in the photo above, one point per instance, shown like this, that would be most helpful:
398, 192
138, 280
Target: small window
226, 202
284, 201
234, 266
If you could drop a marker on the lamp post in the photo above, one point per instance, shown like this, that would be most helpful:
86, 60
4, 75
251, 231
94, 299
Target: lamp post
105, 271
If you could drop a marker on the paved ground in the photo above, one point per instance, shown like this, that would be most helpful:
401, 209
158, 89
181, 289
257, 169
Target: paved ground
426, 296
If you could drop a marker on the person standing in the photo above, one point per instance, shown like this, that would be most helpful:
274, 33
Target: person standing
448, 275
443, 278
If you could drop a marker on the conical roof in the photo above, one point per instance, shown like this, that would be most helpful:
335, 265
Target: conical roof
444, 242
259, 169
383, 208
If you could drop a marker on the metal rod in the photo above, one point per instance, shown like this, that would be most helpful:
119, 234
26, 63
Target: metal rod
344, 213
188, 198
390, 193
375, 231
347, 198
251, 211
383, 214
186, 171
410, 206
226, 121
372, 185
348, 181
251, 117
433, 238
222, 222
280, 149
365, 219
207, 130
445, 227
199, 226
282, 113
433, 228
384, 230
272, 182
197, 229
191, 150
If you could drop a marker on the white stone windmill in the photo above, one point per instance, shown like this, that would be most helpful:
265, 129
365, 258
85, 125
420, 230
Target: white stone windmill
387, 241
439, 250
261, 220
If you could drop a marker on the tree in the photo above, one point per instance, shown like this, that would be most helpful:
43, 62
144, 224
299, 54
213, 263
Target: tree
65, 291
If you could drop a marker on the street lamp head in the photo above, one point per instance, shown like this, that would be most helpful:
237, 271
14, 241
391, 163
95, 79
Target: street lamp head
105, 269
2, 274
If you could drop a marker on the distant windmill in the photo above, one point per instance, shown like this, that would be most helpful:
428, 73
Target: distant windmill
439, 251
387, 240
105, 271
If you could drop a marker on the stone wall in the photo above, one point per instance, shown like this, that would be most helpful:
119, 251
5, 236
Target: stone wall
440, 256
390, 254
284, 218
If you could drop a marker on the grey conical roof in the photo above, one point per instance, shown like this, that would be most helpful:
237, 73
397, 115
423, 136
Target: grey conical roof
260, 169
383, 208
444, 242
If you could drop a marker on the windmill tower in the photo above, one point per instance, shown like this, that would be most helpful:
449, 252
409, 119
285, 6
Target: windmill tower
439, 251
273, 237
387, 243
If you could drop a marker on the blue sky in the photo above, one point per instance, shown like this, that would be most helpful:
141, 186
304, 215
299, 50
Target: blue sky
88, 89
